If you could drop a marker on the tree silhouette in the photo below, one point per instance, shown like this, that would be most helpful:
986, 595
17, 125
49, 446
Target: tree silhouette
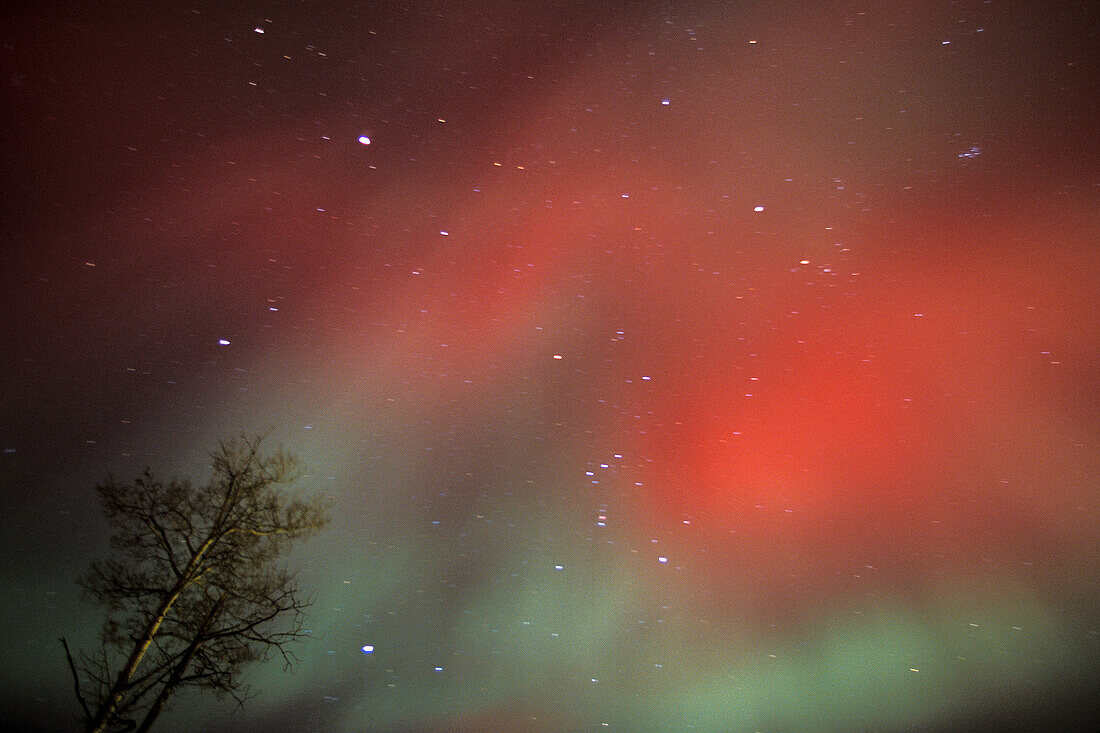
194, 588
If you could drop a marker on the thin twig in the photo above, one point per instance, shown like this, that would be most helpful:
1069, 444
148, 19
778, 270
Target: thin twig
76, 680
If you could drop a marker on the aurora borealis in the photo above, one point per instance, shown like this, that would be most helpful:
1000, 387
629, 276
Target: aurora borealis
722, 366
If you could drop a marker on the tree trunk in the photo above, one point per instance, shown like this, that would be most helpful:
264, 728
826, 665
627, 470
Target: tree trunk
114, 696
168, 688
181, 667
122, 682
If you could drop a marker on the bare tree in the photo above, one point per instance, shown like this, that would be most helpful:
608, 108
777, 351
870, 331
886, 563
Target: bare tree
194, 589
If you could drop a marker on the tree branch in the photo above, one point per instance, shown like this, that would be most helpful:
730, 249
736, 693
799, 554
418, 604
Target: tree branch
76, 681
162, 540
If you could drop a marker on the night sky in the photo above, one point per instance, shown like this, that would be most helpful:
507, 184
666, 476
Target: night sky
726, 366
